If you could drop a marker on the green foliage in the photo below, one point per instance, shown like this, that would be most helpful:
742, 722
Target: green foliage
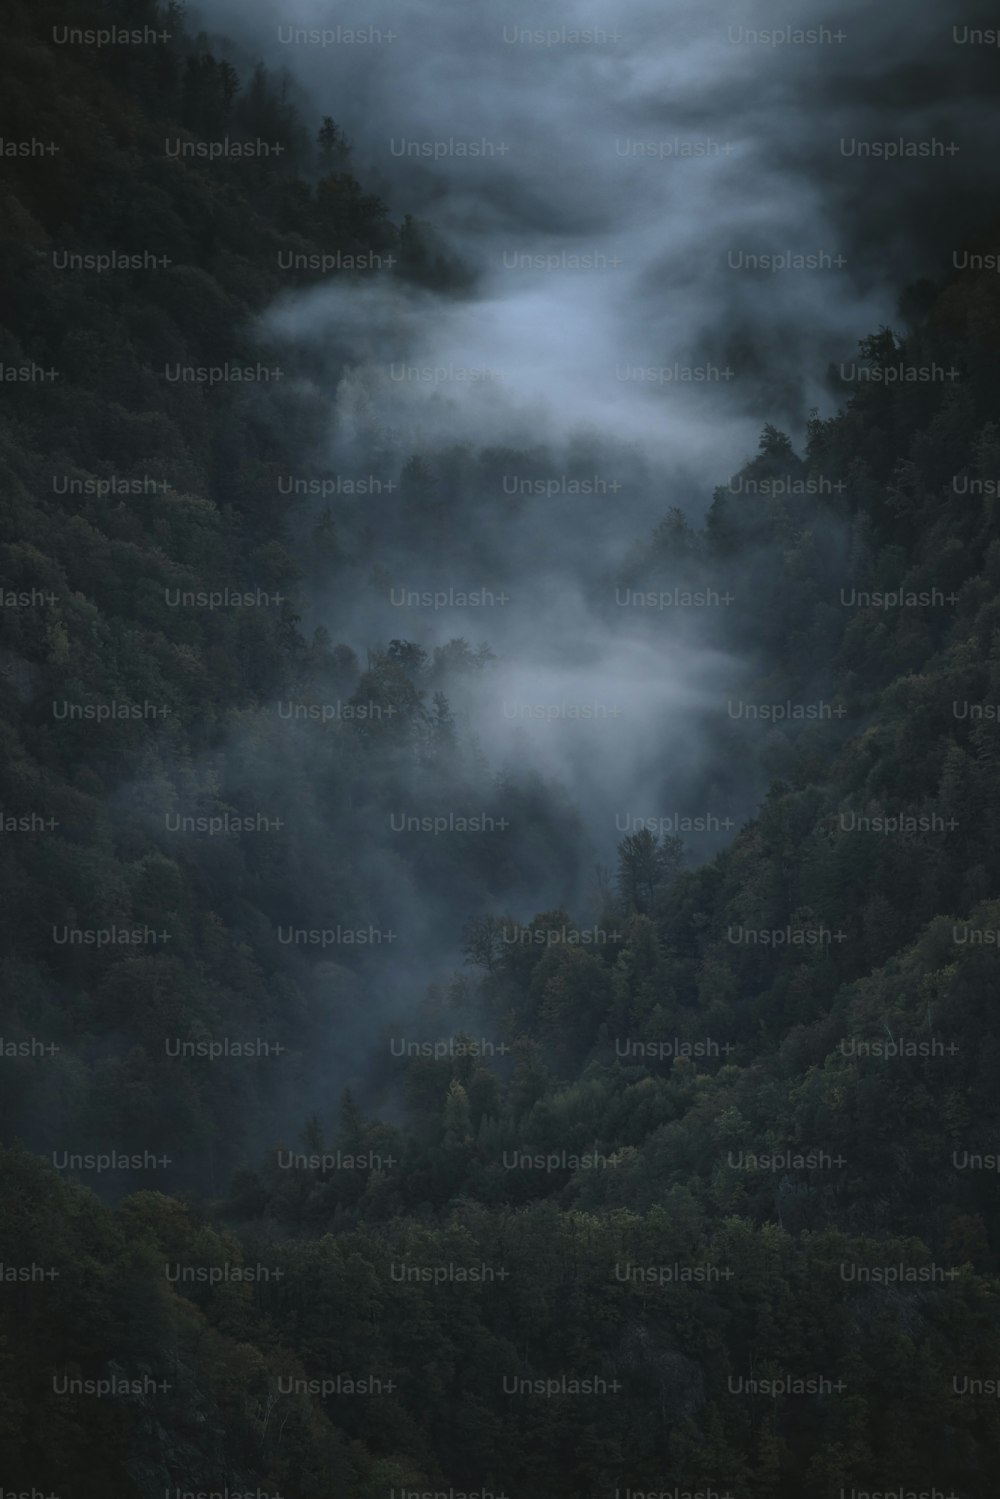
530, 1209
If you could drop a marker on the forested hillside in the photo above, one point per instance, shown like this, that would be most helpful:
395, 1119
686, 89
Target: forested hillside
694, 1191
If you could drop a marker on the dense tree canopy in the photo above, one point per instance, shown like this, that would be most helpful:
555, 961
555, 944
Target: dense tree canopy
745, 1188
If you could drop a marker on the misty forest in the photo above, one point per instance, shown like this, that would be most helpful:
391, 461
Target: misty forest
500, 814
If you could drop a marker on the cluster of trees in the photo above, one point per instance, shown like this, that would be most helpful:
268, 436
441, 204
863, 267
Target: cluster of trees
618, 1111
375, 1356
125, 709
